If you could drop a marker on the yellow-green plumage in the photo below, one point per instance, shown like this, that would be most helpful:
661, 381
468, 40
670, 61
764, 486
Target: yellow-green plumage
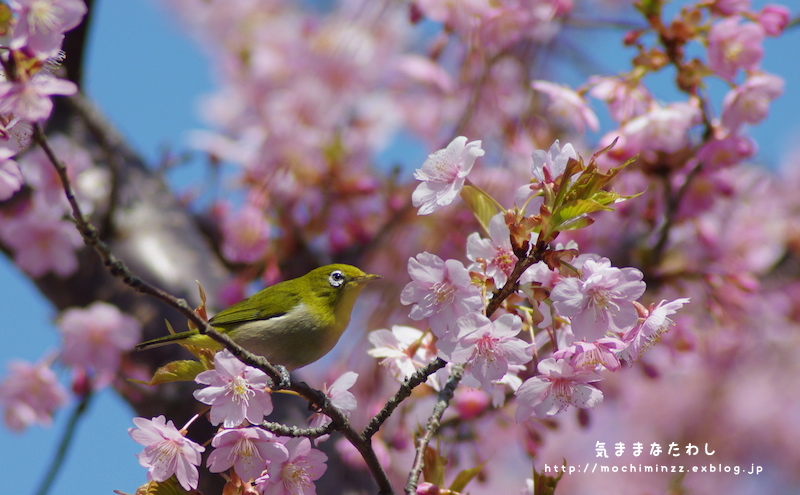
292, 323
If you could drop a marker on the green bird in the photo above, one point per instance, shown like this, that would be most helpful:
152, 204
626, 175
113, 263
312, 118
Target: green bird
292, 323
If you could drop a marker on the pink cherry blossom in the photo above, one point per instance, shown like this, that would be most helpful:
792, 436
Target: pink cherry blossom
568, 105
649, 331
166, 451
441, 291
733, 46
551, 164
42, 240
774, 19
248, 450
30, 99
557, 387
246, 234
341, 397
749, 103
403, 349
296, 475
487, 347
10, 177
41, 24
95, 338
443, 174
30, 394
730, 7
600, 300
589, 355
236, 391
726, 152
493, 256
626, 99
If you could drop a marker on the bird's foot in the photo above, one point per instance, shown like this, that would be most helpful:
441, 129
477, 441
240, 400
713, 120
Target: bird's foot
286, 380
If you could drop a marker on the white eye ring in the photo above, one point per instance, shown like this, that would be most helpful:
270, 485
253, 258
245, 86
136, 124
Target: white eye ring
336, 278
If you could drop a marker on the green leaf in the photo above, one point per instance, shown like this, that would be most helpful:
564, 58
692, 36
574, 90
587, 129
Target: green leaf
176, 371
482, 205
433, 470
465, 476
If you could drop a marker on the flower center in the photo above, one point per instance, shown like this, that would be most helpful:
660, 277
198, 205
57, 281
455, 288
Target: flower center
240, 390
295, 475
443, 292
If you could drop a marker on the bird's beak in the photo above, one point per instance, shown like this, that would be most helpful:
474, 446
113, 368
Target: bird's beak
369, 277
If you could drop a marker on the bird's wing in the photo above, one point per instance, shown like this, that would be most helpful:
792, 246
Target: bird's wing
241, 312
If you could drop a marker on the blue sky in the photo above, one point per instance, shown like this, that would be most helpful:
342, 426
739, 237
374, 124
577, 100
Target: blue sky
146, 75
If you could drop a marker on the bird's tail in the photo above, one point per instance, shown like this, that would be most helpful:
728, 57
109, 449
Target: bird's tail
168, 339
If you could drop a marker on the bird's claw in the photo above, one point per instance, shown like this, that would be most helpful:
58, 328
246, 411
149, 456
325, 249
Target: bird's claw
286, 380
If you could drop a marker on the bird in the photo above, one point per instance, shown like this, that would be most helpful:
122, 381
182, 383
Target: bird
292, 323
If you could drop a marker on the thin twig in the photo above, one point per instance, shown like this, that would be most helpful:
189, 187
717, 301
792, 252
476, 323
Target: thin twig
419, 377
435, 419
61, 453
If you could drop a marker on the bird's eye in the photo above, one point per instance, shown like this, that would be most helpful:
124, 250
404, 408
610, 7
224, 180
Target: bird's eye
336, 278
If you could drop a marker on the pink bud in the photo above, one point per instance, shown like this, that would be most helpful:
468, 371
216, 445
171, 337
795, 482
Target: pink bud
773, 19
470, 403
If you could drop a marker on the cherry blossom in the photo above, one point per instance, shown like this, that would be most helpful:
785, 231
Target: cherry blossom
655, 323
494, 256
30, 394
41, 24
568, 105
440, 291
774, 19
341, 397
590, 355
30, 99
443, 174
10, 177
246, 234
404, 349
297, 474
95, 338
558, 386
248, 450
167, 452
600, 300
236, 391
749, 103
487, 347
733, 46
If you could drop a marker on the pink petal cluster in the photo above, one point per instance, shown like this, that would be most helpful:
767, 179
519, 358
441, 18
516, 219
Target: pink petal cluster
568, 105
341, 397
774, 19
42, 240
625, 99
441, 291
749, 102
167, 452
41, 24
591, 355
248, 450
494, 256
30, 99
235, 391
733, 46
297, 474
558, 386
648, 332
10, 175
95, 337
30, 394
443, 174
246, 235
600, 300
403, 349
487, 347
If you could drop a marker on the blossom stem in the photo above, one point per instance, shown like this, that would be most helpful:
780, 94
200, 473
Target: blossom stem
63, 446
435, 419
